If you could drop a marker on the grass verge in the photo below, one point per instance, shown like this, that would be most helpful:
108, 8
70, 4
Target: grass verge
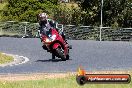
5, 59
62, 82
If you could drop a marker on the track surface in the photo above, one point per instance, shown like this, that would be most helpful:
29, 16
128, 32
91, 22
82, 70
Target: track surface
91, 55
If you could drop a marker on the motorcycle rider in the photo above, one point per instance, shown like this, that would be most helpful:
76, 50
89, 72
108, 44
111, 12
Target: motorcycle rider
48, 23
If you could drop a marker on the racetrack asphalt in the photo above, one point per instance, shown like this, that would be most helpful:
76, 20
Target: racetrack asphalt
91, 55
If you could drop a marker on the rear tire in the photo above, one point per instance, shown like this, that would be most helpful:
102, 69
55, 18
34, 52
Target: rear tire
60, 54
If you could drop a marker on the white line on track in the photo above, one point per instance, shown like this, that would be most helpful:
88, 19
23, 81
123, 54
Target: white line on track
17, 60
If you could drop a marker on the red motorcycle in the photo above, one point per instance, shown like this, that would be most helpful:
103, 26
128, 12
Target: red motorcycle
54, 43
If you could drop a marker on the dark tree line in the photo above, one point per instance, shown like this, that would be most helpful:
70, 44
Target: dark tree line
116, 13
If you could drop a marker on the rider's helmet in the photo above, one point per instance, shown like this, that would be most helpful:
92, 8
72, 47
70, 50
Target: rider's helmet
42, 17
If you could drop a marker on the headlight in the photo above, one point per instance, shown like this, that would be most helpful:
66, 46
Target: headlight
53, 37
47, 40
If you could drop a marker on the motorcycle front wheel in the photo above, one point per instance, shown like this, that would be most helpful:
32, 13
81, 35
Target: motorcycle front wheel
60, 54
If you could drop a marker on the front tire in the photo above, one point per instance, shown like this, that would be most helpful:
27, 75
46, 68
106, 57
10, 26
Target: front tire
53, 56
60, 54
67, 57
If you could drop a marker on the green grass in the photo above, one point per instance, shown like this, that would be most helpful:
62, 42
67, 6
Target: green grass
68, 82
5, 58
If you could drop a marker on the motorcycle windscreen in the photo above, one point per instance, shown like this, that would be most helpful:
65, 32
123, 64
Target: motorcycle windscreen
46, 31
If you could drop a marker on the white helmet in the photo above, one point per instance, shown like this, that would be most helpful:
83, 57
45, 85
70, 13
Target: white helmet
42, 16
